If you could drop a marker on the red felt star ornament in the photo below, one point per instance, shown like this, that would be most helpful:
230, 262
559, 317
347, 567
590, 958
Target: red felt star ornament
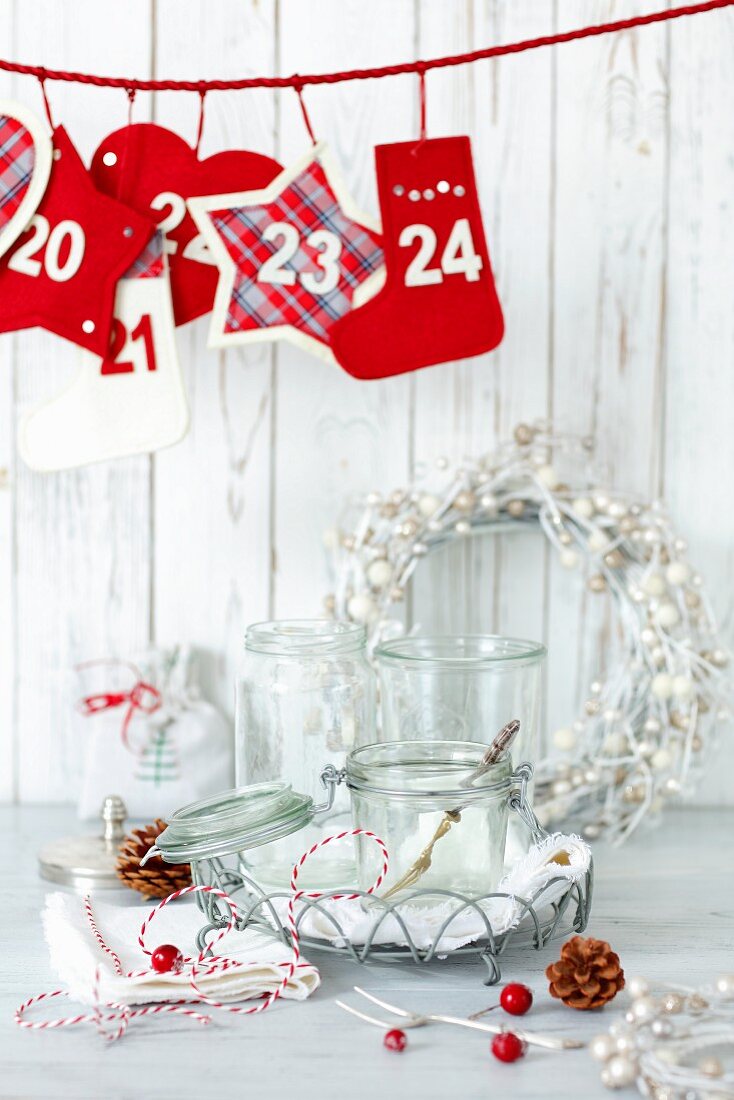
294, 257
62, 272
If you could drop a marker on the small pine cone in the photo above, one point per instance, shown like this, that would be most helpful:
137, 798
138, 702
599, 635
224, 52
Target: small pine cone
587, 975
157, 879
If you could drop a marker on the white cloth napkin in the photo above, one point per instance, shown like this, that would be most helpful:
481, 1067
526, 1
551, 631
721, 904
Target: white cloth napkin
534, 871
75, 955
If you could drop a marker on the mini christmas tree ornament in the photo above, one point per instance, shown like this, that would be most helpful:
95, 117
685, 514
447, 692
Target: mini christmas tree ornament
587, 975
156, 879
62, 273
130, 401
25, 164
167, 959
156, 172
293, 258
440, 301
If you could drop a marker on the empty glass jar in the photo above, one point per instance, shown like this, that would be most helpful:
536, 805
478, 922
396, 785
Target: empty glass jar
305, 697
460, 688
442, 816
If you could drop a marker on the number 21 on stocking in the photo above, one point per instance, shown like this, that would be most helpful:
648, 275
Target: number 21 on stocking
128, 402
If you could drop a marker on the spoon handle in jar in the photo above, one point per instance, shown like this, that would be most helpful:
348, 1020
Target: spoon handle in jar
497, 749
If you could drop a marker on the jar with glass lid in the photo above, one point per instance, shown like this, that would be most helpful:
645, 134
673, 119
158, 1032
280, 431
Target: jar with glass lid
440, 810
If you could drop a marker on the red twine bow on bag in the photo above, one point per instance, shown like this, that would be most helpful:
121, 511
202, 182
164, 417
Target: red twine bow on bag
142, 696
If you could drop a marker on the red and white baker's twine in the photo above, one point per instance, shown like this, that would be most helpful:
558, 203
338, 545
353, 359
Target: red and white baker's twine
200, 966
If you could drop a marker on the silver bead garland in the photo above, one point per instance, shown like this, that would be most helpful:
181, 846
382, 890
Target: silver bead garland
641, 738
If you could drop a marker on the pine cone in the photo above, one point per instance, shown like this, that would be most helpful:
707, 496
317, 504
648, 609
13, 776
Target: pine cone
157, 879
587, 975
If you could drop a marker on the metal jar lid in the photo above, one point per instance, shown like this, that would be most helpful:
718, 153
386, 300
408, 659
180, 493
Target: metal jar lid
87, 862
233, 821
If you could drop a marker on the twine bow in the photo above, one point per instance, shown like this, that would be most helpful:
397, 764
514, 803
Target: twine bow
142, 696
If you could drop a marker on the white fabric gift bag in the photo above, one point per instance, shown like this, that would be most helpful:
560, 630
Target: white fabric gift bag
148, 735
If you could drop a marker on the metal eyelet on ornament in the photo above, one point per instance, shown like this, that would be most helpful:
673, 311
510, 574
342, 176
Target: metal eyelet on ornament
218, 836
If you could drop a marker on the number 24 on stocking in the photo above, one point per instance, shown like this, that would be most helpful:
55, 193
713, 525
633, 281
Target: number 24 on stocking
439, 302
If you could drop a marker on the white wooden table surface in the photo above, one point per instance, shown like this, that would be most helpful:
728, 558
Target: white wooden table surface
665, 902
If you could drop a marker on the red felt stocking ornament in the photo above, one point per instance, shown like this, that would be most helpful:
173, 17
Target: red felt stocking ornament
439, 302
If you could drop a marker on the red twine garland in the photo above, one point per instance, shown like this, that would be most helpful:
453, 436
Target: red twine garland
304, 112
201, 965
591, 31
46, 104
200, 127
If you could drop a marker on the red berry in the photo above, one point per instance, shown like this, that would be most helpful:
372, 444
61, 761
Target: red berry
167, 959
507, 1047
516, 999
395, 1039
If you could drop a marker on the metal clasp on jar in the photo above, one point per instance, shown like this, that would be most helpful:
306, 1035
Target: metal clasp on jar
518, 799
330, 777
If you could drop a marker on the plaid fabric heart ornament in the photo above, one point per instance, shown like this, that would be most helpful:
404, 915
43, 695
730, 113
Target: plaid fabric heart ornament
25, 164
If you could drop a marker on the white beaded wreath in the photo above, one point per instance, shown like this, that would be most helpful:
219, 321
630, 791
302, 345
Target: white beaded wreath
640, 741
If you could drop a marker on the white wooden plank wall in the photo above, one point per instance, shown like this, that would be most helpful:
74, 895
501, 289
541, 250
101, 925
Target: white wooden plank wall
605, 169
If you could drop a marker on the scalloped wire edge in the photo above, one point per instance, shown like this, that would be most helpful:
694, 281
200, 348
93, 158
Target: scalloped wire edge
258, 911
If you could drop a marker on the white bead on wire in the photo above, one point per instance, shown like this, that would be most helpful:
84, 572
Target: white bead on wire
670, 1041
668, 689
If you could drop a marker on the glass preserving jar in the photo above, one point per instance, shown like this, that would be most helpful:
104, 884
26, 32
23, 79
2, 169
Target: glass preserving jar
460, 688
463, 688
305, 696
442, 815
423, 799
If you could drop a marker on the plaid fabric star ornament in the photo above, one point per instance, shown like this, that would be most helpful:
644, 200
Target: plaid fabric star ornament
25, 164
294, 257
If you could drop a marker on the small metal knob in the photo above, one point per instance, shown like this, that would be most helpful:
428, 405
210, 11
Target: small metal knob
113, 814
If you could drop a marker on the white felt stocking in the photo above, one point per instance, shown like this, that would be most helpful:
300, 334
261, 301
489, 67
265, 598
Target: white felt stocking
131, 402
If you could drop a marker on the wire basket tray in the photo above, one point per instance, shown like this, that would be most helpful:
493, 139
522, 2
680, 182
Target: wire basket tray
540, 919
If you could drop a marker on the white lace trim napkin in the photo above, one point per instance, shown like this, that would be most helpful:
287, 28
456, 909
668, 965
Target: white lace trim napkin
550, 866
75, 955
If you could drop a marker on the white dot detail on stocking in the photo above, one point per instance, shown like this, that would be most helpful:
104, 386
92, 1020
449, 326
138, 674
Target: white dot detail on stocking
88, 326
443, 186
459, 190
414, 195
109, 159
398, 190
429, 193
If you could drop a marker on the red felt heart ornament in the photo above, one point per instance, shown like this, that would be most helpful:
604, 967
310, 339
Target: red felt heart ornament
155, 171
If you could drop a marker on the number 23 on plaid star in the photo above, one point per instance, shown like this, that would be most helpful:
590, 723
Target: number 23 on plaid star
294, 257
